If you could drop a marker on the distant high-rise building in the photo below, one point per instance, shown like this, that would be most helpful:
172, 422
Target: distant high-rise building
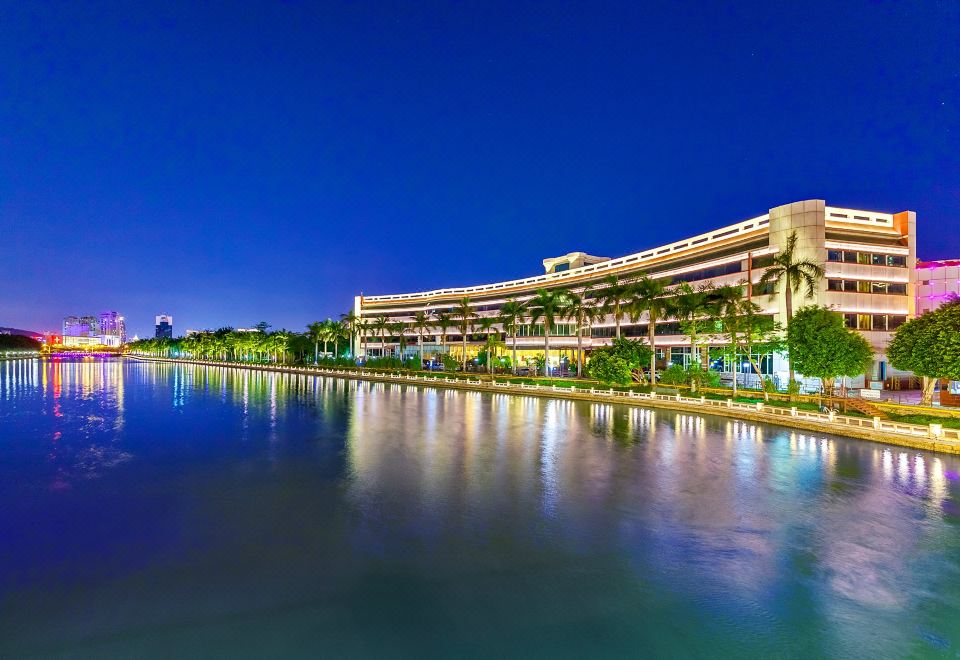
80, 326
164, 326
113, 325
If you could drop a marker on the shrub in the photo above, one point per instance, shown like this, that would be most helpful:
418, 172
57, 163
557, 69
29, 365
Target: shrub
610, 369
675, 374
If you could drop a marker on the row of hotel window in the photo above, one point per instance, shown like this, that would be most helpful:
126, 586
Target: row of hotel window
858, 286
882, 322
867, 258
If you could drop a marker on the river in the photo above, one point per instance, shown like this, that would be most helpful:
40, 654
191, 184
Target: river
171, 510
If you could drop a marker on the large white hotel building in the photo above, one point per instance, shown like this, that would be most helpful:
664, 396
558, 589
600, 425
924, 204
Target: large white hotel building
869, 258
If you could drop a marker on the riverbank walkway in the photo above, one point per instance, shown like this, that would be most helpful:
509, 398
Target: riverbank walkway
932, 437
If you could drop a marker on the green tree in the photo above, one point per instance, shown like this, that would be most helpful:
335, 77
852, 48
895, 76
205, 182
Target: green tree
609, 369
443, 323
487, 325
632, 352
929, 346
349, 321
465, 316
614, 295
794, 274
583, 311
651, 296
692, 307
513, 314
381, 325
549, 305
821, 346
421, 325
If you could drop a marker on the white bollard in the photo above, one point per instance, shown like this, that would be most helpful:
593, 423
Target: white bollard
729, 403
678, 396
793, 411
759, 406
832, 416
876, 422
703, 400
936, 430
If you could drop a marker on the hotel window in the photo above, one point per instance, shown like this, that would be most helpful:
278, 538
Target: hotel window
849, 257
834, 285
898, 288
879, 260
864, 258
850, 320
833, 255
863, 287
879, 322
897, 260
864, 321
894, 321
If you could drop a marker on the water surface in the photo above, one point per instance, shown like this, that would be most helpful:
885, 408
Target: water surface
173, 510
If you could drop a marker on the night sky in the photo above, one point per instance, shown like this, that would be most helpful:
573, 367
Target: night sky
229, 164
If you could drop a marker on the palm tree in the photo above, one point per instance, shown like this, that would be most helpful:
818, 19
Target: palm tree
279, 341
614, 294
397, 330
728, 302
421, 324
549, 305
363, 327
512, 317
650, 296
349, 320
487, 325
465, 316
380, 325
444, 322
338, 331
584, 313
689, 305
795, 274
316, 330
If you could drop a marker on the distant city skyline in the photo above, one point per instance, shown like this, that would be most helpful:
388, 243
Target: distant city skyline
275, 161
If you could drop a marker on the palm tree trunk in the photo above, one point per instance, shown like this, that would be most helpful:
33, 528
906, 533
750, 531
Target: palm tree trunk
514, 353
929, 385
789, 305
579, 353
316, 350
420, 341
736, 363
651, 337
616, 318
464, 352
546, 350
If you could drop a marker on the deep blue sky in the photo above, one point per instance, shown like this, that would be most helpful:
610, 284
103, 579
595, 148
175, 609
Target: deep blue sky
233, 163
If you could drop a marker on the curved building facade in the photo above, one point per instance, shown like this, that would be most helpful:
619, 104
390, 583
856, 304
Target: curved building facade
869, 258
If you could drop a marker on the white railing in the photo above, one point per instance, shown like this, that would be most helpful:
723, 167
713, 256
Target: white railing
947, 437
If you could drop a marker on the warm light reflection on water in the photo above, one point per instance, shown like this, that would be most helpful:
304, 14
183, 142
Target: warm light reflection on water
225, 510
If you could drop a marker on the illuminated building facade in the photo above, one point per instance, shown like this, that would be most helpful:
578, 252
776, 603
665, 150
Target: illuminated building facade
869, 258
164, 327
937, 281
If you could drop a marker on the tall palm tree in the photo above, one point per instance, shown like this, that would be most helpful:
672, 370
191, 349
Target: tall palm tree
380, 325
487, 324
650, 296
613, 295
689, 306
549, 305
363, 327
421, 324
349, 321
315, 330
443, 322
584, 312
338, 331
397, 329
465, 315
794, 274
512, 317
728, 303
